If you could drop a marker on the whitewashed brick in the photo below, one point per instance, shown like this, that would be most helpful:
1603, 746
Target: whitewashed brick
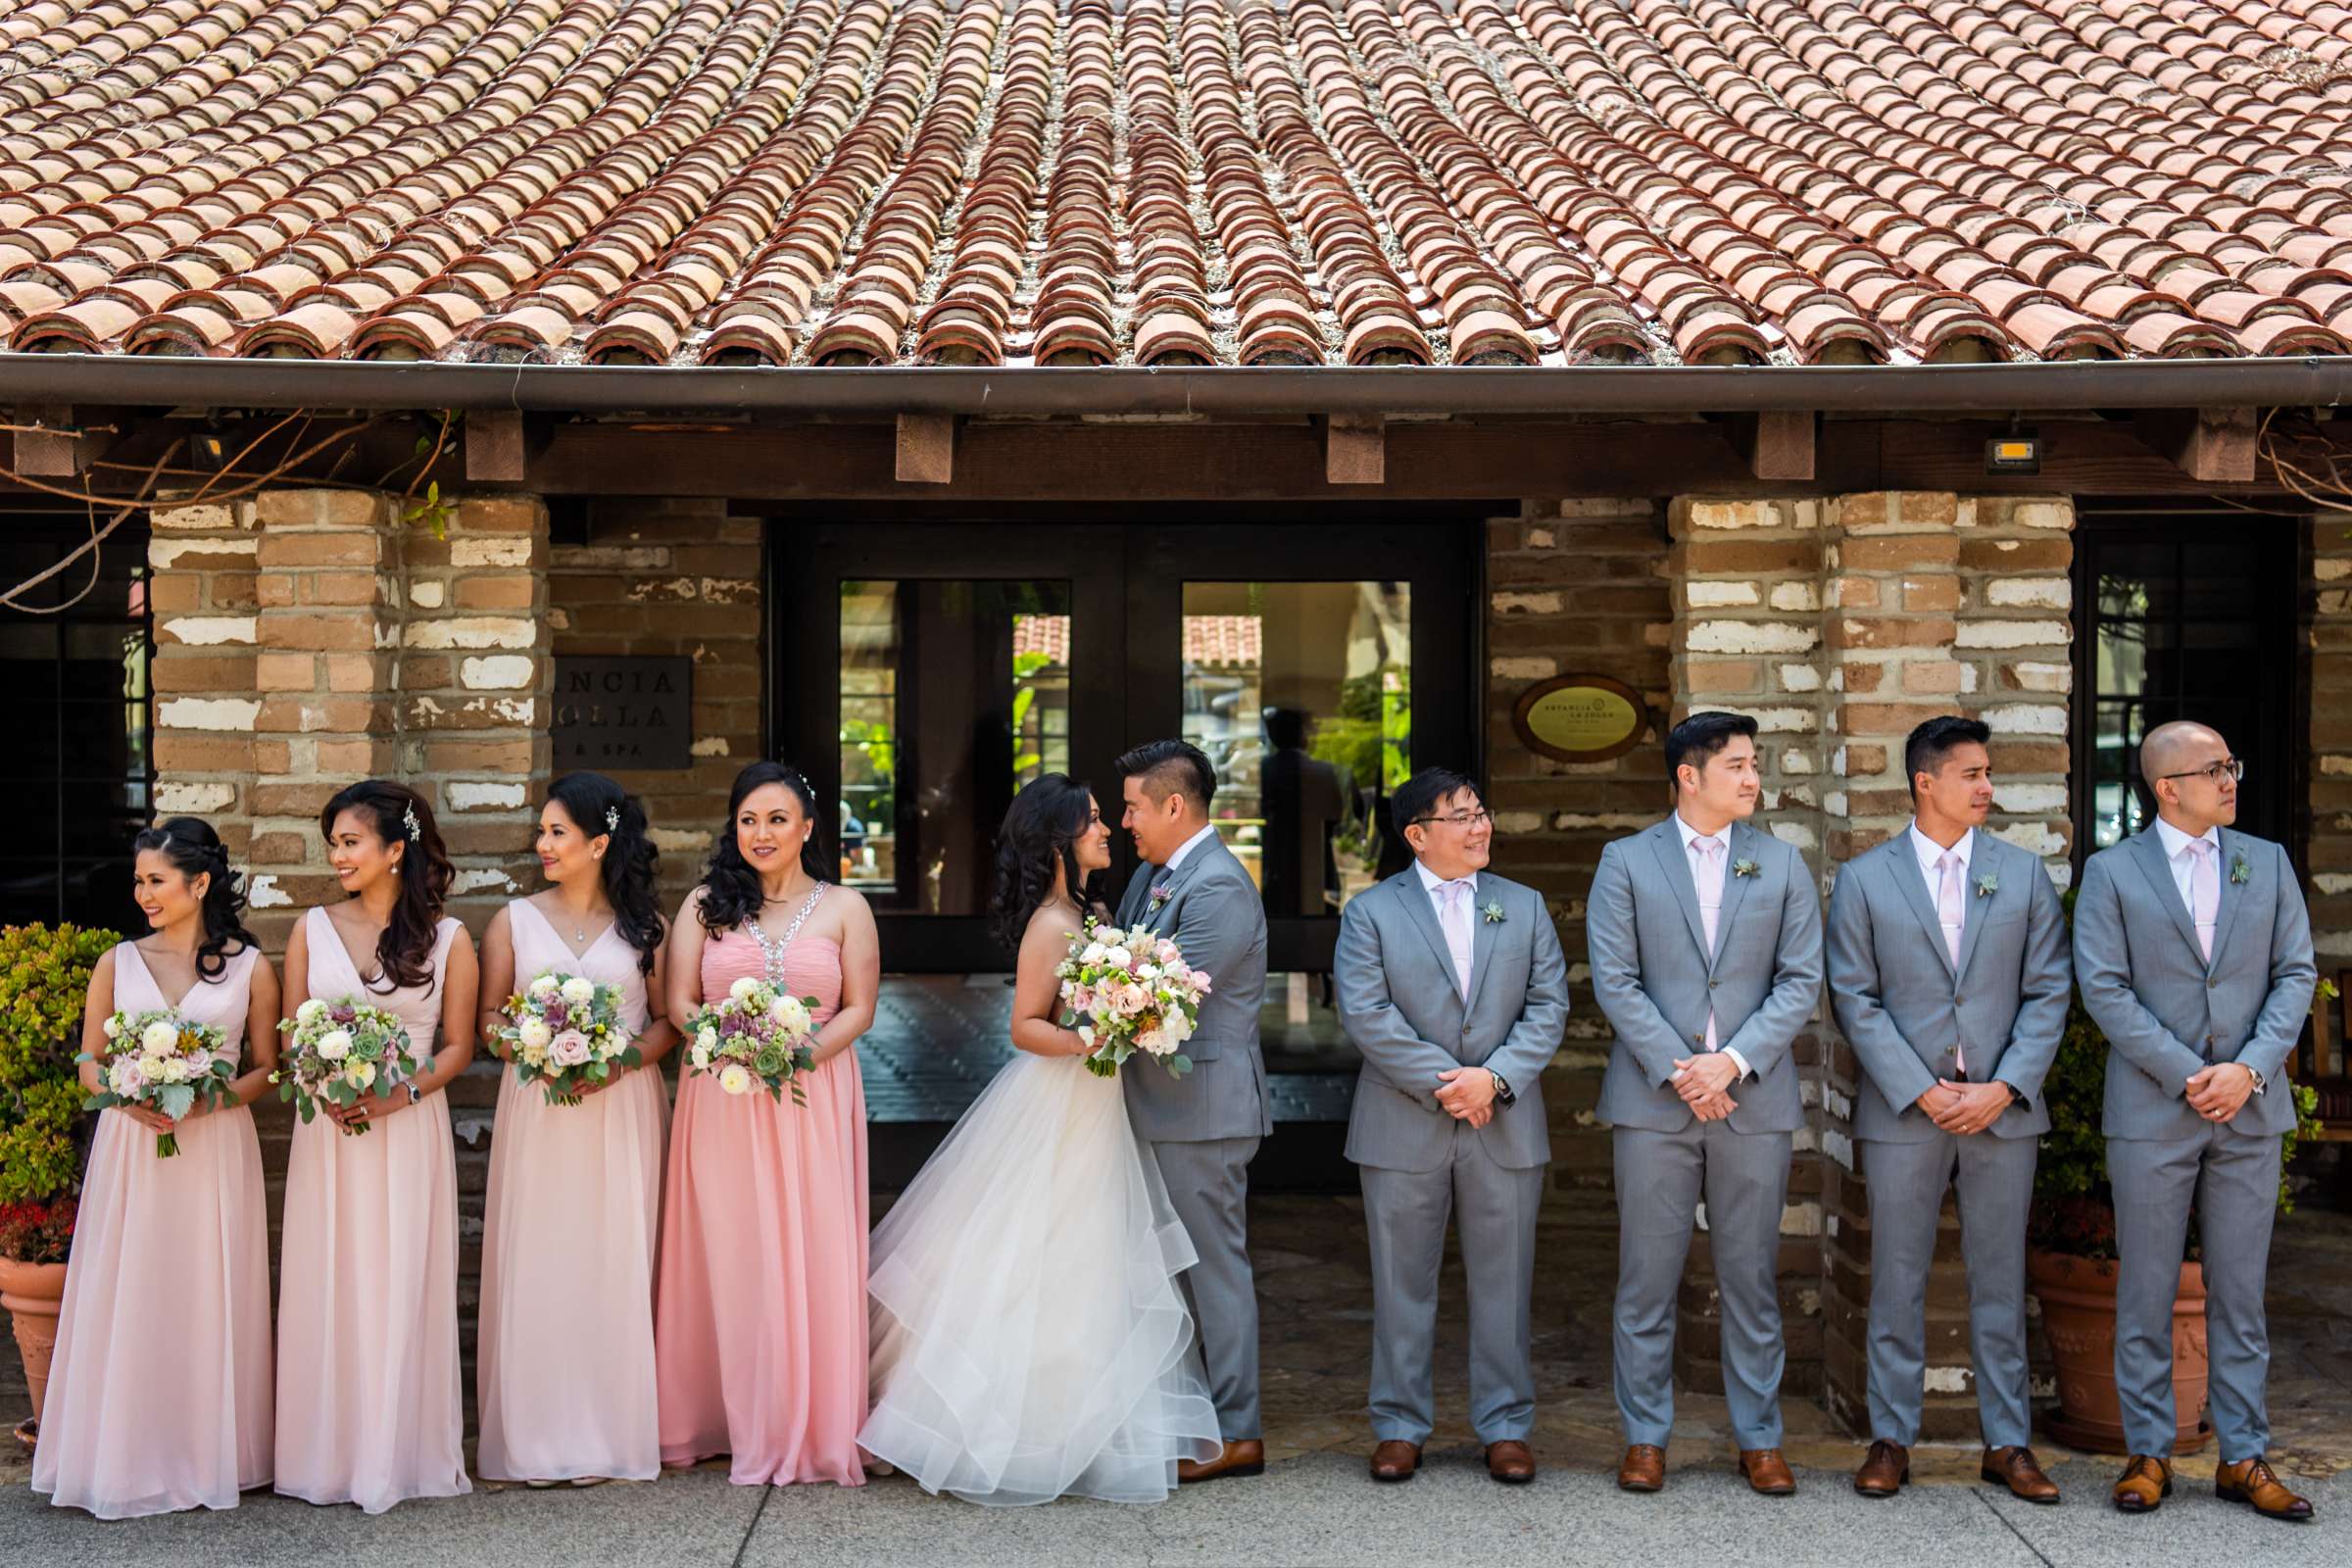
479, 631
466, 796
1799, 678
1946, 1380
1785, 720
1733, 514
2029, 800
2035, 677
1835, 803
2027, 718
2335, 766
1525, 667
1539, 539
1750, 637
508, 550
2035, 838
499, 672
208, 712
681, 839
2328, 571
1720, 595
1513, 603
1800, 1219
262, 891
1518, 821
162, 553
2044, 515
1797, 760
2030, 592
193, 800
1795, 834
1570, 821
213, 632
428, 595
1837, 1147
2333, 882
709, 746
2013, 634
1795, 596
481, 879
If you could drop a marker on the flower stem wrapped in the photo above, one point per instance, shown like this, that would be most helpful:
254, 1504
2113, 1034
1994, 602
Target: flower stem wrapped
164, 1061
563, 1033
338, 1050
1130, 991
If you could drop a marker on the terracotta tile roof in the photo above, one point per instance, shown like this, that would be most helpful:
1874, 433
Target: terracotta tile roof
1176, 181
1208, 640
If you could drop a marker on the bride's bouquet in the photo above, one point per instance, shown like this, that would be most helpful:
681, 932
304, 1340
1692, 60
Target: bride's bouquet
339, 1051
755, 1035
1130, 991
564, 1032
165, 1062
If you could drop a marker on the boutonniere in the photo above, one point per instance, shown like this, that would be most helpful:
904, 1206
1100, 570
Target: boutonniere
1987, 885
1492, 911
1160, 894
2239, 871
1743, 868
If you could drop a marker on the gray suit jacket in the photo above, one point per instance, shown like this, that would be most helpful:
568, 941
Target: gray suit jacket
1904, 1008
1654, 978
1214, 915
2166, 1011
1400, 1003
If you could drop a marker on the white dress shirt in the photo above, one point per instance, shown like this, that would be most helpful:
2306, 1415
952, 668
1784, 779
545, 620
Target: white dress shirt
1708, 874
2183, 867
1930, 851
1454, 918
1176, 858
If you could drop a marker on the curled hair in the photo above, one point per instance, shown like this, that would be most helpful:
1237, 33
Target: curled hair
731, 891
1041, 833
404, 954
598, 806
195, 850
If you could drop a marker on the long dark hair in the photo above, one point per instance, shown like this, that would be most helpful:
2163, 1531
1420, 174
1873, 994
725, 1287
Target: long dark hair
731, 893
596, 805
400, 815
195, 850
1040, 832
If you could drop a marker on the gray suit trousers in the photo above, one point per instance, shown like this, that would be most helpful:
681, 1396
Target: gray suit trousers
2232, 1179
1661, 1177
1406, 1212
1208, 1185
1907, 1182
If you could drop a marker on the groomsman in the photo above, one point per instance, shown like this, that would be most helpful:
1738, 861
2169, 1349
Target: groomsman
2193, 953
1948, 975
1705, 940
1451, 984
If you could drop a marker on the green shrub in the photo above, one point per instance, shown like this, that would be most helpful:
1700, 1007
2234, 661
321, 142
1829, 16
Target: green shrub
44, 980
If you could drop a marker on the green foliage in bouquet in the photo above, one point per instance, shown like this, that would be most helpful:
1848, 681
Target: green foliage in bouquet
44, 980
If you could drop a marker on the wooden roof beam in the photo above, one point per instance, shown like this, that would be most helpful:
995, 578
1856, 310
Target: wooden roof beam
49, 445
926, 449
2215, 446
1776, 444
1355, 449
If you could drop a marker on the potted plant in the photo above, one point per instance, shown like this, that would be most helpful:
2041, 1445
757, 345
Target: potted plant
2071, 1261
44, 977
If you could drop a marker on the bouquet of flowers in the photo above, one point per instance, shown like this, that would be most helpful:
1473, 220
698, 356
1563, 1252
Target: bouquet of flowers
165, 1062
565, 1033
759, 1035
339, 1051
1130, 991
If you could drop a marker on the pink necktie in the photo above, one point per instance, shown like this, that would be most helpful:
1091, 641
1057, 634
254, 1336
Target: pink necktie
2204, 893
1710, 903
1457, 931
1952, 914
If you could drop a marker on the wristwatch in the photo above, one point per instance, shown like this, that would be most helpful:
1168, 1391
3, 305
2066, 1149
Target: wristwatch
414, 1094
1502, 1088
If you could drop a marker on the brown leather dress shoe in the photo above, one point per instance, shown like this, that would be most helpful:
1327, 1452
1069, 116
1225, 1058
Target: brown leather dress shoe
2252, 1482
1510, 1462
1643, 1469
1886, 1471
1245, 1456
2017, 1469
2145, 1482
1767, 1472
1395, 1460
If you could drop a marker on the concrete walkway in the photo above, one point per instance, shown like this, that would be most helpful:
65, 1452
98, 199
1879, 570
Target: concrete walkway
1318, 1509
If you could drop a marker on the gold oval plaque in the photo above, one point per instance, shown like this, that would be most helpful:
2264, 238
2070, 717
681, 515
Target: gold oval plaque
1580, 718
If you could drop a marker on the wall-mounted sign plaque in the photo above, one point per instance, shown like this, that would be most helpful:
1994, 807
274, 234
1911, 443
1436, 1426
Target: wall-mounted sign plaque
1580, 718
624, 714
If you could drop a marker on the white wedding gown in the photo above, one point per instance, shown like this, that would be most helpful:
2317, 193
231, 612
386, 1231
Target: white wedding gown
1029, 1337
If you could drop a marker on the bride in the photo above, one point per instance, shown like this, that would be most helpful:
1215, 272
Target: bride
1029, 1338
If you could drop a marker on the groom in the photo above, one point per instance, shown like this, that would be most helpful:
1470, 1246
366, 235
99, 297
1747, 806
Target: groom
1205, 1127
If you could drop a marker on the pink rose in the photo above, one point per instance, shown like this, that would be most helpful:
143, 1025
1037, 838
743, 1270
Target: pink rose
1199, 981
1130, 1000
569, 1048
1166, 954
1082, 999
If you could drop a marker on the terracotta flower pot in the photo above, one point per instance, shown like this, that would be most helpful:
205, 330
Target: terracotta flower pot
2078, 1313
33, 1293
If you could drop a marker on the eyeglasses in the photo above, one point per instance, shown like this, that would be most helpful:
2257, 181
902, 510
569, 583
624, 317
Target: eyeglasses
2229, 767
1460, 819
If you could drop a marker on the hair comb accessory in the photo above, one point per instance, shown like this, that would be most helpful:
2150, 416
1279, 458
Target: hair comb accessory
408, 818
612, 818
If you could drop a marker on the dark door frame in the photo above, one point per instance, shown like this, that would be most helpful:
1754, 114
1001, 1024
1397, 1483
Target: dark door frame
1126, 675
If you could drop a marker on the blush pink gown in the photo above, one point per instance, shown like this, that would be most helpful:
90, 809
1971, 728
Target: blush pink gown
759, 1321
159, 1390
370, 1407
563, 1370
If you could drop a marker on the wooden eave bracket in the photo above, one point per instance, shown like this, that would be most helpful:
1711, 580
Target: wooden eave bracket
495, 450
2215, 446
1355, 449
1775, 443
49, 445
926, 449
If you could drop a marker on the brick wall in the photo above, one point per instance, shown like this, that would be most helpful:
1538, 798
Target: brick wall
2327, 676
676, 577
1839, 624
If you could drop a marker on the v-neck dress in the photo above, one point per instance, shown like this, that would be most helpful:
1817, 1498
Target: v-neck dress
139, 1421
370, 1404
759, 1322
563, 1369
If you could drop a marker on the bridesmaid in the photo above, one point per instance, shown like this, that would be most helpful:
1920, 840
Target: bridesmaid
760, 1320
575, 1190
138, 1422
369, 1408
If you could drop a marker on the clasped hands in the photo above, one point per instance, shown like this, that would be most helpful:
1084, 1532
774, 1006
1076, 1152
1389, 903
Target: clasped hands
1467, 1093
2221, 1091
1965, 1109
1705, 1084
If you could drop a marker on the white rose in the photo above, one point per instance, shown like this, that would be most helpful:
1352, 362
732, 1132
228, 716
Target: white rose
1093, 953
309, 1011
579, 992
534, 1055
174, 1070
1118, 957
735, 1078
701, 1056
1178, 1026
1153, 1043
362, 1073
334, 1044
160, 1035
791, 1014
544, 986
113, 1027
741, 989
535, 1032
706, 1041
1146, 973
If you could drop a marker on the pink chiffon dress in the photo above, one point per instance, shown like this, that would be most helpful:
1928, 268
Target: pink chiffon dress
759, 1319
563, 1370
139, 1421
369, 1406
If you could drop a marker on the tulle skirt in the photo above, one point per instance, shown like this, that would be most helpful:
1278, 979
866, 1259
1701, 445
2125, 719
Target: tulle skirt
1029, 1337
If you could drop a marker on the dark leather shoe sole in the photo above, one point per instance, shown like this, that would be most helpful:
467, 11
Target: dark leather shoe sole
1512, 1478
1222, 1473
1623, 1485
2232, 1494
1995, 1477
1868, 1491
